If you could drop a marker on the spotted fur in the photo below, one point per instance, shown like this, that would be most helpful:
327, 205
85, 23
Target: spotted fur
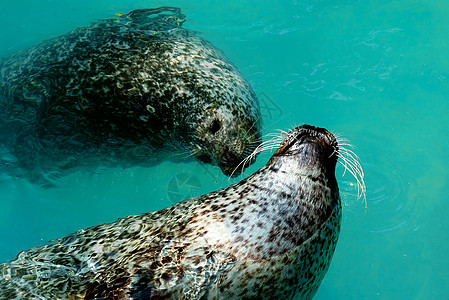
127, 91
270, 236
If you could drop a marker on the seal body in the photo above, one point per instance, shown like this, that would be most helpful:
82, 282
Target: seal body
270, 236
123, 92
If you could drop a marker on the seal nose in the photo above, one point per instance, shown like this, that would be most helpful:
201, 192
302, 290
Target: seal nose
233, 162
228, 162
313, 130
306, 134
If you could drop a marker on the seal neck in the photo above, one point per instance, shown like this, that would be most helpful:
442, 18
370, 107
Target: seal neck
283, 209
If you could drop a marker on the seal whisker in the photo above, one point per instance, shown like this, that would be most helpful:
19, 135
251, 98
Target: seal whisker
273, 142
250, 157
185, 153
295, 125
280, 134
344, 142
196, 149
255, 142
276, 134
351, 163
353, 170
269, 144
255, 123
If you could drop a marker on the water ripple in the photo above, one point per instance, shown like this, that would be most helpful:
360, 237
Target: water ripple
387, 206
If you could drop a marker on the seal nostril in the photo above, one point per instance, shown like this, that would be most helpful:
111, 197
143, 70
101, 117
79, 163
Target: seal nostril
215, 126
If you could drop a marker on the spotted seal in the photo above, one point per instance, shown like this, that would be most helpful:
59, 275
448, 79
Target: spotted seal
269, 236
128, 91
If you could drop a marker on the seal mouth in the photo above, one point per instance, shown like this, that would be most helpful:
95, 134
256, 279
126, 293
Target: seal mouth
204, 158
230, 161
228, 164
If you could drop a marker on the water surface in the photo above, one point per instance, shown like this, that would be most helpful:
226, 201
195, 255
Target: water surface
375, 72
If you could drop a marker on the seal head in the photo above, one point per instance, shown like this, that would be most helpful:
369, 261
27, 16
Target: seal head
226, 138
269, 236
315, 150
133, 90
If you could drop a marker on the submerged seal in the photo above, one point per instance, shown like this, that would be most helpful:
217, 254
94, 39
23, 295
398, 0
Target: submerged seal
269, 236
123, 92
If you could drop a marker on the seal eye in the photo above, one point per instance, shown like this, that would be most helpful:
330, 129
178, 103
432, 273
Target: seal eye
215, 126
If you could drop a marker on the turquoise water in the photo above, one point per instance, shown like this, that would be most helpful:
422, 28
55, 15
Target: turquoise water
374, 71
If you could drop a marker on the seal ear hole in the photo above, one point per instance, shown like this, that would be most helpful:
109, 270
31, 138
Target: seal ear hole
216, 125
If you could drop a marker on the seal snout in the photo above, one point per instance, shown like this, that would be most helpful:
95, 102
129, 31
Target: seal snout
230, 161
296, 139
226, 140
230, 158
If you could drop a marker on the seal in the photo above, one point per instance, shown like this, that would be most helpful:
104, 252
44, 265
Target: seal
269, 236
129, 91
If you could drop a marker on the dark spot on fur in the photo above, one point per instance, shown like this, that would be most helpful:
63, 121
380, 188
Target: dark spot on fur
166, 276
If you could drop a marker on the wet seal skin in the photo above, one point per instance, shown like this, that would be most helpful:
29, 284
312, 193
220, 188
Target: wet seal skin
269, 236
129, 91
